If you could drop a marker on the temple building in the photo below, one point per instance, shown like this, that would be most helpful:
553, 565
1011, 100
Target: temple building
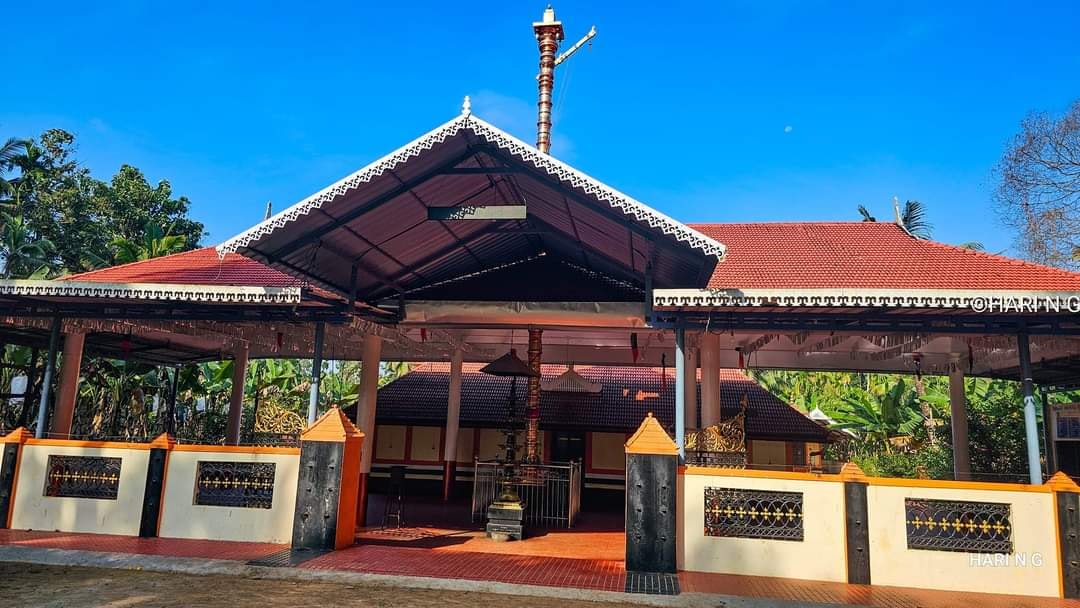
567, 337
586, 415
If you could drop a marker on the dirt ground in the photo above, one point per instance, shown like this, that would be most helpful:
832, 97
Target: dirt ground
32, 585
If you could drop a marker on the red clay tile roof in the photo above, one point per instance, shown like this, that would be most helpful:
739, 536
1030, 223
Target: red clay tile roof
793, 255
864, 255
628, 395
196, 267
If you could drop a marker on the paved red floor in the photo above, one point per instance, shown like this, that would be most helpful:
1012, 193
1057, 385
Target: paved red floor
862, 595
109, 543
416, 552
605, 575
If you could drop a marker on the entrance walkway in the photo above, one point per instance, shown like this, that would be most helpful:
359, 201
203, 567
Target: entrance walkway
447, 528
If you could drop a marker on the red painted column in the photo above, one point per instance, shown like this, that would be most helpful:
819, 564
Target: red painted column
365, 419
67, 391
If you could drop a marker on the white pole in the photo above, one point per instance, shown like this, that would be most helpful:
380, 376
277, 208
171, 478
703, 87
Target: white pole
1031, 427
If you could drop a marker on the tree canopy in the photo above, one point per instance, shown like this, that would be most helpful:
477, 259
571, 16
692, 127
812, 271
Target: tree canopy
1038, 191
59, 219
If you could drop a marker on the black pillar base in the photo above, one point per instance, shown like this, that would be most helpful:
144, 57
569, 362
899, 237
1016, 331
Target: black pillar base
504, 520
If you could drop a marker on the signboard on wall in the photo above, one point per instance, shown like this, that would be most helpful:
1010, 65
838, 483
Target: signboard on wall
1066, 421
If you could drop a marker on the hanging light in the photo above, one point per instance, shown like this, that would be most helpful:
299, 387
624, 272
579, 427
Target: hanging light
570, 382
510, 365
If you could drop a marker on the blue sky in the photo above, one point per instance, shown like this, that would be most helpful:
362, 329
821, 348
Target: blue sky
725, 111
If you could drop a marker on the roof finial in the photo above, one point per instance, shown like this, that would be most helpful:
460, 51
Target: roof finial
466, 106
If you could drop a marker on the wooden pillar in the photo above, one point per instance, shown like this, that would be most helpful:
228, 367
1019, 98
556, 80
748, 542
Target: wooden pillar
1048, 431
365, 418
67, 390
46, 382
170, 405
532, 404
11, 444
710, 379
236, 398
690, 387
680, 390
326, 493
856, 524
453, 419
958, 406
651, 475
1031, 427
28, 393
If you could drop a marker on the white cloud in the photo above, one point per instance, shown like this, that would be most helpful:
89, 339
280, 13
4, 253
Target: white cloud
788, 129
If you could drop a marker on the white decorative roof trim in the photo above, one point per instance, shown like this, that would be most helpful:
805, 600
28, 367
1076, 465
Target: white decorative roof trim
501, 139
213, 294
580, 181
976, 300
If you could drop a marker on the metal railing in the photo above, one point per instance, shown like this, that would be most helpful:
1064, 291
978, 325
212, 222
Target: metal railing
551, 492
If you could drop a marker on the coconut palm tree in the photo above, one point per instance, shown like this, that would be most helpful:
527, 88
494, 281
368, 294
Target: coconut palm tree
155, 243
23, 256
913, 217
9, 152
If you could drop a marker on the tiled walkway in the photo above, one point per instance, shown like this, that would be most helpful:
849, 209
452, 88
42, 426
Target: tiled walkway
108, 543
425, 553
860, 595
597, 574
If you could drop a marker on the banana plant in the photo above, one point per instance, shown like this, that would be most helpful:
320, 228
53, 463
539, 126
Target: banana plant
886, 418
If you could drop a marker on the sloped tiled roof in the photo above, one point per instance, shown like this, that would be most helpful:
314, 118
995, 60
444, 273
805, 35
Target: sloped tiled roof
872, 255
628, 395
196, 267
792, 255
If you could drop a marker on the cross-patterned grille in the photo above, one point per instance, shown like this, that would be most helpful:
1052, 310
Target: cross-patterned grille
235, 484
753, 514
946, 525
82, 477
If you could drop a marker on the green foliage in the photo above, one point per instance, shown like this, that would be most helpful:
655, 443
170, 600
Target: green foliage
899, 432
913, 217
881, 414
155, 243
79, 223
23, 255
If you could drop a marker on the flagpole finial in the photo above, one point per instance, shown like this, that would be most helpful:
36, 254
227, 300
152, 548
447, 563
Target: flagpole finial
466, 106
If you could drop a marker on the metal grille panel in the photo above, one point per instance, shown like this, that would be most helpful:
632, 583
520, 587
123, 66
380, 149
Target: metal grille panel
82, 477
753, 514
946, 525
247, 485
551, 492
